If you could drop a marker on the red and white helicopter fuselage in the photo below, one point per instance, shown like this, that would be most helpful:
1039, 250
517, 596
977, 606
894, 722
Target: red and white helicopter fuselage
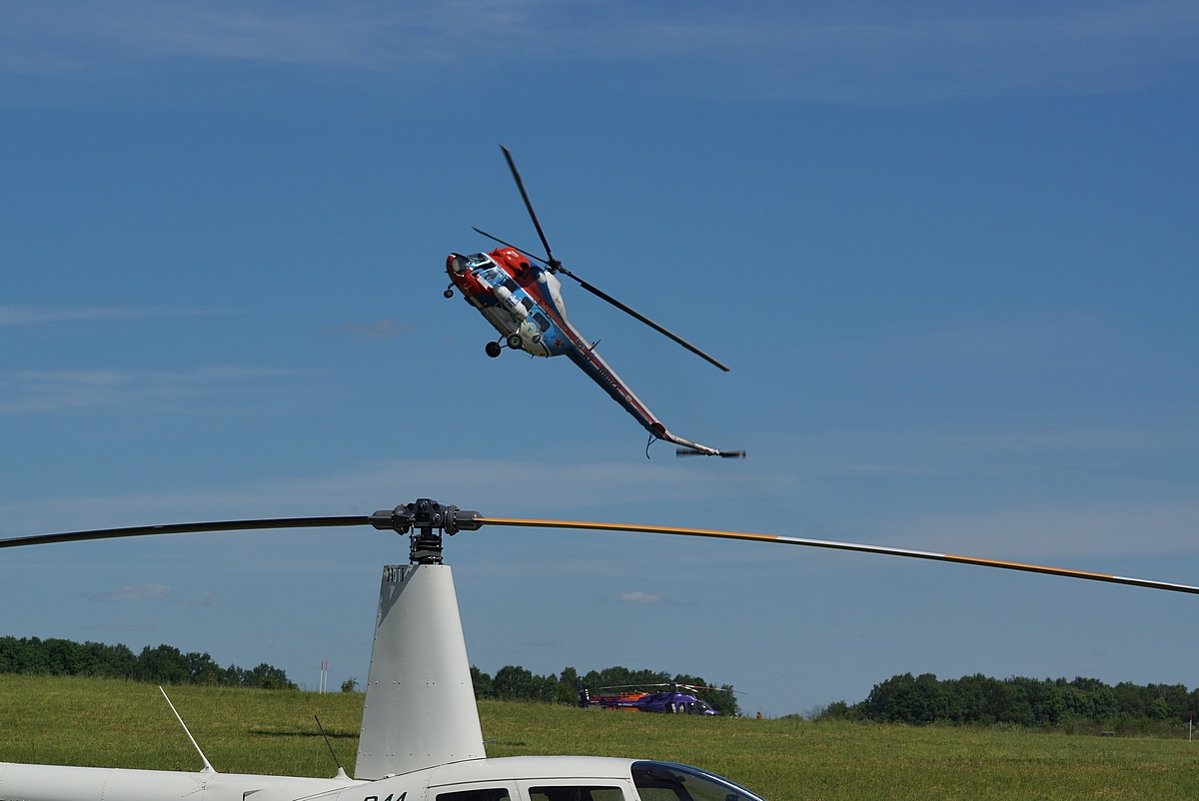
523, 302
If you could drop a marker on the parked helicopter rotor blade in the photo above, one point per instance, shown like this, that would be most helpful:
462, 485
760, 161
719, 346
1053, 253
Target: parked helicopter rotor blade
843, 546
188, 528
602, 295
695, 689
386, 519
674, 684
553, 263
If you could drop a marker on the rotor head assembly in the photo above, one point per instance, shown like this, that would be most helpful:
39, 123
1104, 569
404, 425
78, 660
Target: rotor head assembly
425, 520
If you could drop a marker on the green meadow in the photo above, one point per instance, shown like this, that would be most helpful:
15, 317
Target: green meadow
76, 721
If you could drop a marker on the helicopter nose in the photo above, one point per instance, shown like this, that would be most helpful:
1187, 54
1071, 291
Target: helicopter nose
457, 264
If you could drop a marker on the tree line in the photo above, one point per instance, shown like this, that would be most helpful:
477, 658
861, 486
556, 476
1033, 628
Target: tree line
163, 664
515, 683
1077, 704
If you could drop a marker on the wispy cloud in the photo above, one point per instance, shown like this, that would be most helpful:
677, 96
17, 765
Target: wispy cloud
1099, 529
38, 315
639, 597
366, 487
1107, 527
210, 600
866, 52
383, 329
137, 593
41, 391
541, 643
353, 33
872, 53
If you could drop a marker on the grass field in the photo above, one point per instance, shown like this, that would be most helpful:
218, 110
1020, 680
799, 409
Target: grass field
124, 724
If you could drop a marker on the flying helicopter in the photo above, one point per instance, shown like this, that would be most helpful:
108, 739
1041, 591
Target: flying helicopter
520, 295
420, 738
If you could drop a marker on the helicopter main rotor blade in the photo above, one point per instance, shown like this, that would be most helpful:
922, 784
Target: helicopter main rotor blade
551, 261
189, 528
555, 266
843, 546
521, 251
602, 295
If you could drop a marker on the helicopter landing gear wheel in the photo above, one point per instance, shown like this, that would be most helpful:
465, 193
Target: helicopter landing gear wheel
492, 349
449, 292
514, 341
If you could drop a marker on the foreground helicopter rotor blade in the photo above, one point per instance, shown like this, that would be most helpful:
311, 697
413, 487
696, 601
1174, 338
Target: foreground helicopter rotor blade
408, 517
842, 546
422, 515
189, 528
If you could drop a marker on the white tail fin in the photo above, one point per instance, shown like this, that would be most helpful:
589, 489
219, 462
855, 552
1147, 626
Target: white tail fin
420, 706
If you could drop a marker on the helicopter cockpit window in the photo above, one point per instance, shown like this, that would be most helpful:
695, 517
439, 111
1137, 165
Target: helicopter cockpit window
667, 781
575, 793
478, 260
542, 323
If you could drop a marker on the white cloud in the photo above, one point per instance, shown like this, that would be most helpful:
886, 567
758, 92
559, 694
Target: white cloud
1105, 529
82, 35
382, 329
859, 53
639, 597
383, 484
137, 592
37, 315
39, 391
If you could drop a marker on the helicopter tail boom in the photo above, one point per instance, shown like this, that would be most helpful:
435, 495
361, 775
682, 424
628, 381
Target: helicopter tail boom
598, 370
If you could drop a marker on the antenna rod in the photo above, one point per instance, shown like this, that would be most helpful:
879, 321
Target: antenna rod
340, 771
207, 765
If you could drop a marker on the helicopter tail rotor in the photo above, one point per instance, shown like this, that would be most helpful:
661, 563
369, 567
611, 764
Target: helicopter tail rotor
713, 452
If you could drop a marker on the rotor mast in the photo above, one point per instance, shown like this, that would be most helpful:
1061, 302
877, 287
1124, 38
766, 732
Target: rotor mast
420, 708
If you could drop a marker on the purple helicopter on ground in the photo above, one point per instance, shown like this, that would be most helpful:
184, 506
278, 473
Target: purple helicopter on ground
679, 699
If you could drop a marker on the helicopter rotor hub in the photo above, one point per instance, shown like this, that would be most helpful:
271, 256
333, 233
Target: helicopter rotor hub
425, 520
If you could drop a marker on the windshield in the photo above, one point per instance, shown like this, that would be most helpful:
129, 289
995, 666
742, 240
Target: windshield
478, 260
667, 781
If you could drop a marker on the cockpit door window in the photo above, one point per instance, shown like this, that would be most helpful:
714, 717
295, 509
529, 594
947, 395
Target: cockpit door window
477, 794
576, 792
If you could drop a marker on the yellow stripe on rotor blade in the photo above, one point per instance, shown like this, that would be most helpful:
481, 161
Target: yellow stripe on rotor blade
843, 546
1057, 571
587, 525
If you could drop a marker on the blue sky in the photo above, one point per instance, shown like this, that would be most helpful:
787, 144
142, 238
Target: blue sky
949, 252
